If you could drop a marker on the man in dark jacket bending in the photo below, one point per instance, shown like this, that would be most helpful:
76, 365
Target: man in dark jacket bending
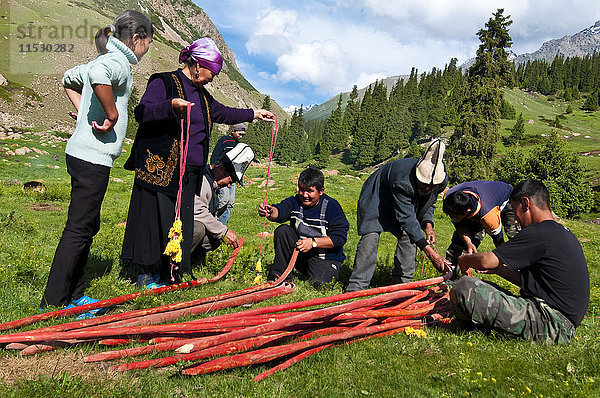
400, 198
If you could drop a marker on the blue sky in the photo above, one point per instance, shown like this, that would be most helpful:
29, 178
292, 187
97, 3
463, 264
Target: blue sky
304, 52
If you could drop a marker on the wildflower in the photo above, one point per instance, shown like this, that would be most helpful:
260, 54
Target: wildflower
414, 332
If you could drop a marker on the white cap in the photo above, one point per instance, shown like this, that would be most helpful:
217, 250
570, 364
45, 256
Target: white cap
430, 168
237, 160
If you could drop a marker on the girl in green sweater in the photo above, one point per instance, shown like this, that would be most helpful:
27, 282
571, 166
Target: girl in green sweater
99, 90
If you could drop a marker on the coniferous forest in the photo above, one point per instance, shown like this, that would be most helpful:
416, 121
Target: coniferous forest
462, 106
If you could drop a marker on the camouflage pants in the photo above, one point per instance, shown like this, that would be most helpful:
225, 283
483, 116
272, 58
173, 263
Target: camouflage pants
476, 233
484, 303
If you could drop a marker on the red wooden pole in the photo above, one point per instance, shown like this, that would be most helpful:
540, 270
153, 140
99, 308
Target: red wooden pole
268, 354
118, 300
117, 332
297, 358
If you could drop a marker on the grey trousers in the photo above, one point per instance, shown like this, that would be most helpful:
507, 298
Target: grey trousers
365, 261
202, 243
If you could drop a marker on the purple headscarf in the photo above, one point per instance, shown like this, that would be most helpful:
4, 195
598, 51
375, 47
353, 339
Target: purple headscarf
205, 52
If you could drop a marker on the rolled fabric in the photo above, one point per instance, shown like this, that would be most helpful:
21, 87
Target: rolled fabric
205, 52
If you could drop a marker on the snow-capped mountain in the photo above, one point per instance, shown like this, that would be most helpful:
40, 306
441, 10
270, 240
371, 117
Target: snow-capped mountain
305, 108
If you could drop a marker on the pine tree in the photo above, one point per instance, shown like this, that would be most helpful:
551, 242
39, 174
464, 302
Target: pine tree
362, 150
339, 136
591, 103
473, 145
331, 137
517, 132
258, 136
350, 116
507, 111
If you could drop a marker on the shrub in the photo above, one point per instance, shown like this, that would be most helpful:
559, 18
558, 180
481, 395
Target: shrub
557, 167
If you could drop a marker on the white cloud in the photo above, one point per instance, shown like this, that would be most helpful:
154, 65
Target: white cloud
323, 64
274, 32
319, 47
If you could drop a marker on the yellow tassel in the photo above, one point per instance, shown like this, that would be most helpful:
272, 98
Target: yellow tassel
414, 332
258, 266
173, 248
258, 277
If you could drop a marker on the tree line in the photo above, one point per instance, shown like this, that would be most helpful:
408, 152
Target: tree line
466, 105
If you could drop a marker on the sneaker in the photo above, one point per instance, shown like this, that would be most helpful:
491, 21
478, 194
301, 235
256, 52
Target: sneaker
83, 300
87, 315
154, 285
143, 280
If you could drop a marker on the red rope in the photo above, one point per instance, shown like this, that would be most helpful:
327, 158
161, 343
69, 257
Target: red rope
183, 151
183, 158
266, 201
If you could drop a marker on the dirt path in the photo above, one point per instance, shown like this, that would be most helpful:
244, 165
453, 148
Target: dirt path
15, 367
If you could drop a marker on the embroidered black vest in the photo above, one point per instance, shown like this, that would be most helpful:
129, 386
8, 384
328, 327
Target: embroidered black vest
156, 148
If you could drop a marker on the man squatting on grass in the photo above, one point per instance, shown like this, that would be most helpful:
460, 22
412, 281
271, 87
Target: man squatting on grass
318, 229
225, 171
475, 207
544, 259
227, 194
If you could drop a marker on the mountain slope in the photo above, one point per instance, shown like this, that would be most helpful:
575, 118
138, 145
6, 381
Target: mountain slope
585, 42
323, 110
177, 23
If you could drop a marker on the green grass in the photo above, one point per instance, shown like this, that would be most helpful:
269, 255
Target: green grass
581, 129
446, 363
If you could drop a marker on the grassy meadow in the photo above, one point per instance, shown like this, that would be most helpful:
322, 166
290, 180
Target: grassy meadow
448, 362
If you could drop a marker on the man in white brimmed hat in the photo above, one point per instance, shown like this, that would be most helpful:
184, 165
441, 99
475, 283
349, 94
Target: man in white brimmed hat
229, 169
400, 198
223, 145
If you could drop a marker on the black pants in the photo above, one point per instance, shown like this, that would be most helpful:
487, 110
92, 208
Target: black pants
319, 271
88, 187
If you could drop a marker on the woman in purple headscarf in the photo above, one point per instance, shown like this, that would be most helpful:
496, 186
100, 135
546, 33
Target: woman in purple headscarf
155, 158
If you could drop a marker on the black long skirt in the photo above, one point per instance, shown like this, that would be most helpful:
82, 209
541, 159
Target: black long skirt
151, 215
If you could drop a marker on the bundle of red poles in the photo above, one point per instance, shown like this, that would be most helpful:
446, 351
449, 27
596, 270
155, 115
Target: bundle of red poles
137, 322
287, 331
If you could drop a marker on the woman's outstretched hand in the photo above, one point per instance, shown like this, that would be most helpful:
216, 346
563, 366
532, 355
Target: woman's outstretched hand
264, 114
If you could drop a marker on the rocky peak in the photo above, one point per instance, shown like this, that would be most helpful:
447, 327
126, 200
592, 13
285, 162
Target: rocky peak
586, 42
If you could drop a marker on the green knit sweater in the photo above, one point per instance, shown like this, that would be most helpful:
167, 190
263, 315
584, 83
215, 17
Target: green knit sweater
112, 68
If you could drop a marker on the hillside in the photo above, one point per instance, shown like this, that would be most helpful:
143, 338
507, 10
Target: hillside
323, 110
585, 42
73, 23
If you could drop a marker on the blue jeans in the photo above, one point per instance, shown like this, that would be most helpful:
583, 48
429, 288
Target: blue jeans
226, 201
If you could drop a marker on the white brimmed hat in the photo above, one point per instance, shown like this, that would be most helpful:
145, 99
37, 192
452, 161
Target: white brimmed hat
430, 167
237, 160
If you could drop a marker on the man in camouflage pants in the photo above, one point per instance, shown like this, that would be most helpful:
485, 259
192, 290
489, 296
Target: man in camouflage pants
545, 260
